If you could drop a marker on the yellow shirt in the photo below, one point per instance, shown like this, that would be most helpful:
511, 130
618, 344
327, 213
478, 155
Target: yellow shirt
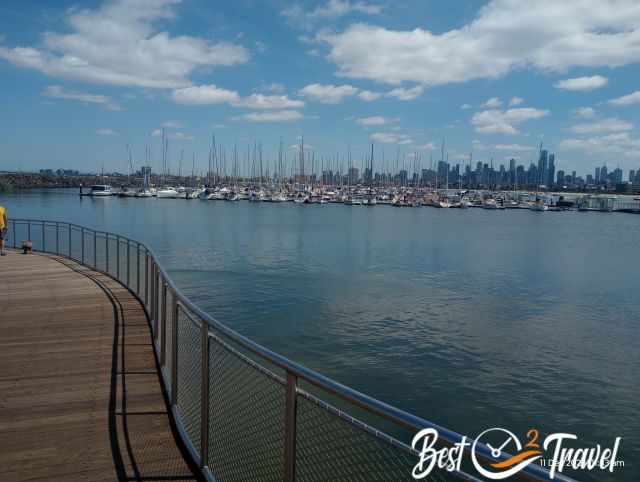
3, 217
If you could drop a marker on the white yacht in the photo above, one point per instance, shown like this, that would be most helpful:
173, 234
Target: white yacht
100, 190
167, 193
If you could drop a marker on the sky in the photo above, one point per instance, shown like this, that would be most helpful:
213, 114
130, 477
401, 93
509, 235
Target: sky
79, 81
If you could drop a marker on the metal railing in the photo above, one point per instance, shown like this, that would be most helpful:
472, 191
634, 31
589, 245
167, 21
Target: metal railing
243, 411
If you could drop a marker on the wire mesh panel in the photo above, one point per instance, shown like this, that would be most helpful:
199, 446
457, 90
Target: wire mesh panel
112, 255
76, 243
246, 418
189, 376
168, 338
332, 446
34, 234
50, 230
100, 257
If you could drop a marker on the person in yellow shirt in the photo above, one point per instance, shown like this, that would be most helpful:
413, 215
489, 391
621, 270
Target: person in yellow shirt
3, 229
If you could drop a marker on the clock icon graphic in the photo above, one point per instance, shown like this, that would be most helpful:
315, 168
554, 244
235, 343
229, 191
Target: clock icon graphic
499, 463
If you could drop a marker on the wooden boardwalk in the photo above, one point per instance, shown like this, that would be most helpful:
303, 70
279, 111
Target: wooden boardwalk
80, 392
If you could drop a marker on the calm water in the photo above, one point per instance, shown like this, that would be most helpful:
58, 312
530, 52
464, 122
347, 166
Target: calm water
469, 318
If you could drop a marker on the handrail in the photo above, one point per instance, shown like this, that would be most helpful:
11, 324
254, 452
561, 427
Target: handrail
294, 371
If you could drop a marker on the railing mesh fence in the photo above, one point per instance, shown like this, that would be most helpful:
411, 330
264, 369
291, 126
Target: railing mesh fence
246, 418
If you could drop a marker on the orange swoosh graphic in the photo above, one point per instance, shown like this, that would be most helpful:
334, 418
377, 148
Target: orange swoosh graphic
515, 459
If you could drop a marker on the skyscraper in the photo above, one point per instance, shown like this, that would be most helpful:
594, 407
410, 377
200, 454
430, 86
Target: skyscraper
542, 167
551, 169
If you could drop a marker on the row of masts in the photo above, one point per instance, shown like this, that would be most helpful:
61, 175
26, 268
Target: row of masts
230, 166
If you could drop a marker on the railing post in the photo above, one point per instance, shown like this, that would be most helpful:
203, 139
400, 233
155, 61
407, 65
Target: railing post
57, 237
163, 325
146, 281
118, 258
174, 351
204, 395
128, 263
29, 230
43, 245
290, 429
70, 241
15, 244
82, 244
106, 246
138, 269
95, 250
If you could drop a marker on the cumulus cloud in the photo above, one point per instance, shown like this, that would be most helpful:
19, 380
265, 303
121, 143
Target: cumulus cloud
261, 101
106, 132
401, 93
331, 10
582, 84
273, 116
328, 94
514, 101
58, 92
429, 146
602, 126
120, 43
369, 96
548, 35
492, 103
504, 122
630, 99
512, 147
211, 94
466, 106
375, 120
172, 125
584, 113
391, 138
617, 144
204, 94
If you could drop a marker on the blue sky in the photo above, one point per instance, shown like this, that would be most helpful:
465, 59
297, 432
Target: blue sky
80, 81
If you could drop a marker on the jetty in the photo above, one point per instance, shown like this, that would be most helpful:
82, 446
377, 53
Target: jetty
80, 389
109, 372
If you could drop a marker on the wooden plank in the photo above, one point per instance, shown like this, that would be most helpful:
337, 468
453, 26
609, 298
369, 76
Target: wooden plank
80, 393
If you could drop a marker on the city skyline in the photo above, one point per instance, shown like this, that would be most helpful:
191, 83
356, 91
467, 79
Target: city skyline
80, 84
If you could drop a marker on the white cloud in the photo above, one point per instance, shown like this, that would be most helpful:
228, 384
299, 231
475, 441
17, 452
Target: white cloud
466, 106
548, 35
504, 122
584, 113
602, 126
181, 136
327, 94
204, 94
633, 98
582, 84
275, 88
401, 93
261, 101
172, 125
375, 120
211, 94
331, 10
514, 101
512, 147
106, 132
273, 116
429, 146
618, 144
492, 103
120, 43
391, 138
369, 96
58, 92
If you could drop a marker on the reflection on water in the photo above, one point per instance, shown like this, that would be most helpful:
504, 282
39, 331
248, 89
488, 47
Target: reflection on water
469, 318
